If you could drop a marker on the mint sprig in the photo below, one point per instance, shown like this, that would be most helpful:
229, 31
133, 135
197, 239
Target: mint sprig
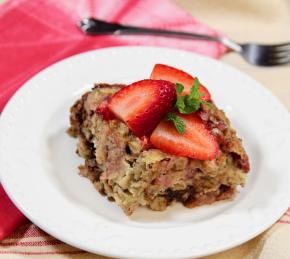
186, 104
177, 121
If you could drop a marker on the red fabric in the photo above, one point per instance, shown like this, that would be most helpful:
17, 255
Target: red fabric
10, 216
35, 34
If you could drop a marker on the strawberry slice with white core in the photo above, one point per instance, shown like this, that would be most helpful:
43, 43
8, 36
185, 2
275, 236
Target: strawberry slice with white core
143, 104
197, 142
175, 75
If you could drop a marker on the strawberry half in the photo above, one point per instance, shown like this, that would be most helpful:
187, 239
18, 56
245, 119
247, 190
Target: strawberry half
197, 142
175, 75
104, 110
143, 104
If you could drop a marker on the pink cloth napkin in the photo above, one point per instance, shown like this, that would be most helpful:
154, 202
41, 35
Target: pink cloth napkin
35, 34
10, 216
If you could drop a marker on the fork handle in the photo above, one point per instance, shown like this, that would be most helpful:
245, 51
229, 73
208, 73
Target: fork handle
127, 30
97, 27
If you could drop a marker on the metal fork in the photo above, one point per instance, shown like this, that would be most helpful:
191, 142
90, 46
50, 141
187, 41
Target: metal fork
257, 54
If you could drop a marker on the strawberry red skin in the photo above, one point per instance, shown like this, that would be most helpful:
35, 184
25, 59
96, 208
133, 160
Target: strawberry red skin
175, 75
104, 110
143, 104
197, 142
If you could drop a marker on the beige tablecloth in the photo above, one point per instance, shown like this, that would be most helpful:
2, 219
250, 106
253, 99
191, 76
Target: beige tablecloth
243, 20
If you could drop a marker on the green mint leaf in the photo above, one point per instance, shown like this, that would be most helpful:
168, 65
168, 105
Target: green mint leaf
177, 121
179, 88
186, 104
191, 105
180, 105
194, 91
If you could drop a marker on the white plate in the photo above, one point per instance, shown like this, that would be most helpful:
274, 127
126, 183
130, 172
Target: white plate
38, 163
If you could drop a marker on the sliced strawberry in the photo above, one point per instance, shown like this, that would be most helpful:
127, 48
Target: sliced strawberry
143, 104
197, 141
175, 75
104, 110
